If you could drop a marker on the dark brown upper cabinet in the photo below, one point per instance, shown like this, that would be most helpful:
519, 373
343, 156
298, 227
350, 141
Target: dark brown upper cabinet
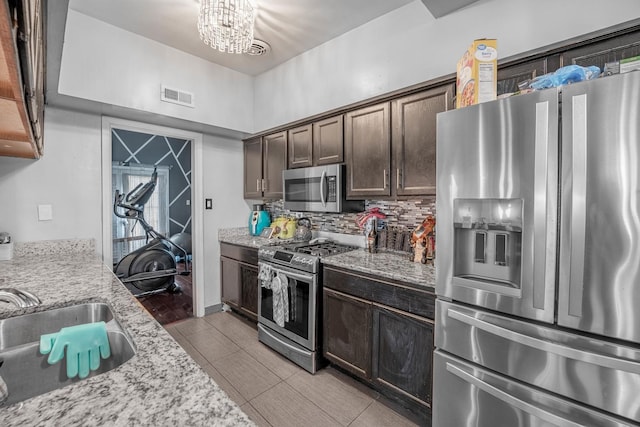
328, 141
367, 143
274, 162
301, 147
264, 160
391, 147
414, 140
510, 76
253, 168
318, 143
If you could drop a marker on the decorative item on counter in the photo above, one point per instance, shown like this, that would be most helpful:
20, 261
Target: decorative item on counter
565, 75
283, 227
303, 230
6, 246
267, 232
423, 241
363, 218
370, 231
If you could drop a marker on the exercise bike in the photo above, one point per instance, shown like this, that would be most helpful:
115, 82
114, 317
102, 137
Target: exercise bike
152, 268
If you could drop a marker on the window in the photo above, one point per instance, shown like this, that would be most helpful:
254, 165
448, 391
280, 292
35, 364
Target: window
128, 235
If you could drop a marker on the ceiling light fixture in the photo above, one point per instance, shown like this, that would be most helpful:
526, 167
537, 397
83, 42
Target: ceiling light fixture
227, 25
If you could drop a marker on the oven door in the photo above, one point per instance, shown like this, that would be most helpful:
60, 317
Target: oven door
302, 292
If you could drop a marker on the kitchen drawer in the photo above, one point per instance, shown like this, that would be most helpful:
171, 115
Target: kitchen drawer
390, 293
239, 253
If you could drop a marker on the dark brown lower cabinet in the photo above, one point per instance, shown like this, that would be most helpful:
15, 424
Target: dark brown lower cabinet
382, 332
239, 278
402, 348
347, 332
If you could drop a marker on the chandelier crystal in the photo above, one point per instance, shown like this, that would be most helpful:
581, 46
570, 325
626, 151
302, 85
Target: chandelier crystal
227, 25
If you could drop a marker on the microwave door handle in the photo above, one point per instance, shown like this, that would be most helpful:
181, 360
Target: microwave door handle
323, 179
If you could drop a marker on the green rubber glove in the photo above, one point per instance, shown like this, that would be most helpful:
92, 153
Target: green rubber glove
85, 345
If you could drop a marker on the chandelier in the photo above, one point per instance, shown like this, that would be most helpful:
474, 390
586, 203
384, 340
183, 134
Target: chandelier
227, 25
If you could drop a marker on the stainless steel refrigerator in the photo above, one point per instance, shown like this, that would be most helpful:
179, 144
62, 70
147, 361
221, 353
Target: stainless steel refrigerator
538, 262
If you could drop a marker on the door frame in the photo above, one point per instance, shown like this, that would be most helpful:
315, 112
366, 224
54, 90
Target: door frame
197, 198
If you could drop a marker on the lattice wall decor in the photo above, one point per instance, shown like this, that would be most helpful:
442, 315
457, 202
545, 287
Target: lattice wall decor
146, 149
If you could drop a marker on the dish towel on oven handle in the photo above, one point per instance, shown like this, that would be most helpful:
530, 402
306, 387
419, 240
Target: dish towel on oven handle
279, 288
265, 275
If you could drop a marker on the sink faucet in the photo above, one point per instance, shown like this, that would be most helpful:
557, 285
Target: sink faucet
22, 299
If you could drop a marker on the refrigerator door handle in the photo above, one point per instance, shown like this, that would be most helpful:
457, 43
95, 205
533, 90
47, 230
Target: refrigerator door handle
511, 400
550, 347
543, 270
578, 203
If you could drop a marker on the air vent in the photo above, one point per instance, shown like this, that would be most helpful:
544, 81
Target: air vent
259, 48
177, 96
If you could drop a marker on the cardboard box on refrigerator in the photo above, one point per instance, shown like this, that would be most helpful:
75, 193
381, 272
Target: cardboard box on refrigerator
477, 73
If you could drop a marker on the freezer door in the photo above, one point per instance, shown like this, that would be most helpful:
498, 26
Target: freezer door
598, 373
599, 276
497, 175
466, 395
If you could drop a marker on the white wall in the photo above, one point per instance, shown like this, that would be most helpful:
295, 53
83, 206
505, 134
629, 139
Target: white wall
408, 46
106, 64
223, 182
66, 177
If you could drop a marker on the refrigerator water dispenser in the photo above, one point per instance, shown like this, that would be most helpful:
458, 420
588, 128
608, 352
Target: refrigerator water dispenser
487, 240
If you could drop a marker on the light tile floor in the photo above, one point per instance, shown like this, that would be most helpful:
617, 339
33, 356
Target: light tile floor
270, 389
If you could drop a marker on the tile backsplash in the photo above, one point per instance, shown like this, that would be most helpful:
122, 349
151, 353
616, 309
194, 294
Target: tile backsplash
403, 214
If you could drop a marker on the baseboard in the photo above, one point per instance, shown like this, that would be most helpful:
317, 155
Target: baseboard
213, 309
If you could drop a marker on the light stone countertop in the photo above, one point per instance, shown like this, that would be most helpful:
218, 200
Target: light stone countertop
161, 385
241, 236
389, 265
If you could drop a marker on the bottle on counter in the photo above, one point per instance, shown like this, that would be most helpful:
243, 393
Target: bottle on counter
372, 235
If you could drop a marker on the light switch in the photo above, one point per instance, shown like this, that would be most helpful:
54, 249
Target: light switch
208, 203
45, 212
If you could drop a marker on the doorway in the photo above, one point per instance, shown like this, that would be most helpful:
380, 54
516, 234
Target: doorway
131, 151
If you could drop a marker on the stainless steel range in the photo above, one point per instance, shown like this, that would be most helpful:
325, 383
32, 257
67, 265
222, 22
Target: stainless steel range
289, 307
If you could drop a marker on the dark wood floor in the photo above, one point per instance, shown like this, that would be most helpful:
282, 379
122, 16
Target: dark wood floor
167, 307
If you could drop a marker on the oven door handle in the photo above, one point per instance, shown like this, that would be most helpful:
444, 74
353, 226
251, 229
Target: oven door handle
286, 344
291, 274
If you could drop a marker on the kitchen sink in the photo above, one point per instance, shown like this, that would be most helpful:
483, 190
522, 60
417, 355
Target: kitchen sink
27, 373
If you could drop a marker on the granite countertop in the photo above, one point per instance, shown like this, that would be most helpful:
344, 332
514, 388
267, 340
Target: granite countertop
161, 384
241, 236
389, 265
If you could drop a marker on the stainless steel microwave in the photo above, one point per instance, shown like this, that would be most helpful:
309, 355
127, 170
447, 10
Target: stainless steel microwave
318, 189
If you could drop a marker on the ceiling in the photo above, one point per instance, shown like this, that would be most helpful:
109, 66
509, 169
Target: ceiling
289, 26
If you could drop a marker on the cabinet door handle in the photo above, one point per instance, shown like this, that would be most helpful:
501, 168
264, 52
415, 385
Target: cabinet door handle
264, 185
258, 185
398, 179
384, 177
